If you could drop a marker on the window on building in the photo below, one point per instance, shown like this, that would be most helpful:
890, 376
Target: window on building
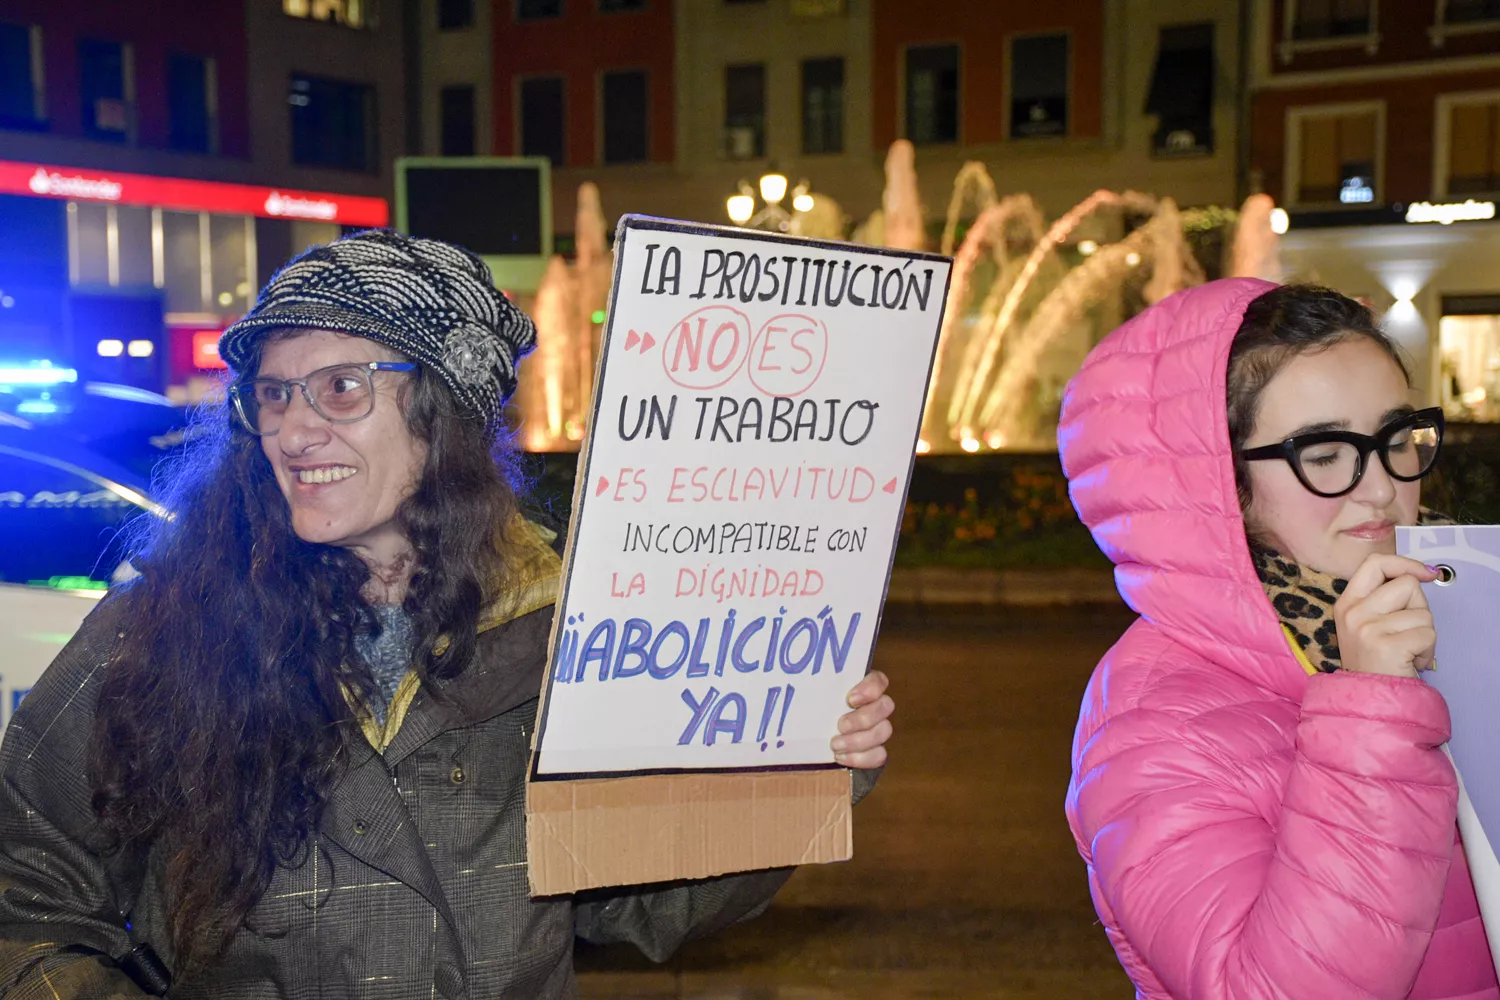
349, 13
333, 124
457, 111
1474, 148
104, 87
626, 139
1469, 343
543, 118
88, 244
531, 10
932, 94
1039, 87
617, 6
1318, 19
823, 106
454, 15
1471, 11
1339, 158
134, 266
745, 111
191, 100
183, 243
20, 76
1182, 91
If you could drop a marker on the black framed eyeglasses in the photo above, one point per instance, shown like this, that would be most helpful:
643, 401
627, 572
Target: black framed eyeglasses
1331, 463
340, 394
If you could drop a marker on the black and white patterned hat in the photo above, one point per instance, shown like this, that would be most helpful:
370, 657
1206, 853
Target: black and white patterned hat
434, 302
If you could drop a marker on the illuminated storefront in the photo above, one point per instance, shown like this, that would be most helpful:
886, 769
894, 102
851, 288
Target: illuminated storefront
183, 255
1432, 271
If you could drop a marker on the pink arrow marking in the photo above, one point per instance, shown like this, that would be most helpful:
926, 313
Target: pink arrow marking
890, 487
631, 339
647, 342
603, 485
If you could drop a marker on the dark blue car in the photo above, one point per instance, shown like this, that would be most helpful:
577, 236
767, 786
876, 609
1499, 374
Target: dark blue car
62, 506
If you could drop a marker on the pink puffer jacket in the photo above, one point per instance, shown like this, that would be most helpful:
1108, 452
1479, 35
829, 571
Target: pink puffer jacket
1250, 832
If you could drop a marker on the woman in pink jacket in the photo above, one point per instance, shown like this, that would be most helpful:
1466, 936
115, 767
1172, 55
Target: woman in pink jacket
1259, 788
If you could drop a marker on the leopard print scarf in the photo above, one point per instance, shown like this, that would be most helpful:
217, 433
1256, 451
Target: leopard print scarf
1304, 599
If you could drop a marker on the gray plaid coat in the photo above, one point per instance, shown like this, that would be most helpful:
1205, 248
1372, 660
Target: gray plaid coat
417, 887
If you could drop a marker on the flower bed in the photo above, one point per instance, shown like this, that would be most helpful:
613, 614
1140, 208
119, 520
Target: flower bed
1000, 511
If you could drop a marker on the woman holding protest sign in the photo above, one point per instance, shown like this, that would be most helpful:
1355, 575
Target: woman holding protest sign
289, 759
1258, 784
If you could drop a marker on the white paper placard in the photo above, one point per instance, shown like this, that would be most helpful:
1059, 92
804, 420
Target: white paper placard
741, 492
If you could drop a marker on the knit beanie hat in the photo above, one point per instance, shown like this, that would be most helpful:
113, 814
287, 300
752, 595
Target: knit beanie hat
434, 302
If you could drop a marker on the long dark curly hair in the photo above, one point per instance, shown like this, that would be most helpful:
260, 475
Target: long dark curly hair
222, 724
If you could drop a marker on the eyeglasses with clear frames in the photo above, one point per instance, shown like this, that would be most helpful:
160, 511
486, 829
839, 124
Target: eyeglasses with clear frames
340, 394
1332, 463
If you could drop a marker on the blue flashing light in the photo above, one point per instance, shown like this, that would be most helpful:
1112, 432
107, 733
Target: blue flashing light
39, 373
36, 406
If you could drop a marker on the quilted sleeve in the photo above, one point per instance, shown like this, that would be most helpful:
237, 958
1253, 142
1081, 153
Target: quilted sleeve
1333, 894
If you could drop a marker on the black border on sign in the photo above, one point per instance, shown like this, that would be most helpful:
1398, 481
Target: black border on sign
585, 458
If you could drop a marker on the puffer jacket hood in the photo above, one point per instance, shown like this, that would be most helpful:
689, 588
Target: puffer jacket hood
1250, 831
1144, 440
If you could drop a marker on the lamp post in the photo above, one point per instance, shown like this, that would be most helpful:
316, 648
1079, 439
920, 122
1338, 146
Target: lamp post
773, 217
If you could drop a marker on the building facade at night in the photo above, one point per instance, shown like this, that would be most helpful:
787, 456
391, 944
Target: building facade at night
1063, 98
668, 105
588, 84
1377, 126
158, 161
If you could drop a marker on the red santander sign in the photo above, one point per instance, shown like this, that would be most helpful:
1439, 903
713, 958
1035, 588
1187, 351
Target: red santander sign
77, 184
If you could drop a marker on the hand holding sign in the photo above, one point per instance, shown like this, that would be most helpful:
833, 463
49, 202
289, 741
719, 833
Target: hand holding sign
864, 731
1383, 621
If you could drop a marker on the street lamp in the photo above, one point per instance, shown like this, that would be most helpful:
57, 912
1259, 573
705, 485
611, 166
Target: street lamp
773, 190
773, 187
741, 208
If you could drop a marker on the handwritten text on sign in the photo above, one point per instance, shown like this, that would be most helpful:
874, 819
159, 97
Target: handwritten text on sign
754, 429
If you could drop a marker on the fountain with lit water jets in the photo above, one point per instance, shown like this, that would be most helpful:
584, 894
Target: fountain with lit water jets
1016, 305
1001, 325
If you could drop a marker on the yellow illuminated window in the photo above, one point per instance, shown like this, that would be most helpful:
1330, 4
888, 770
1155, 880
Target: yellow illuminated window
1470, 367
1474, 149
1338, 161
351, 13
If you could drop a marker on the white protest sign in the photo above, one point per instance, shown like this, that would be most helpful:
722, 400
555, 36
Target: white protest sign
754, 427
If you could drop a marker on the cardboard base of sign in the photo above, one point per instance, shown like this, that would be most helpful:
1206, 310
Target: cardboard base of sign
597, 832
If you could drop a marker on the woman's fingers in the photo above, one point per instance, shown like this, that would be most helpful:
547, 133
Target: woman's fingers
868, 760
864, 739
1394, 595
1380, 567
869, 689
867, 717
864, 731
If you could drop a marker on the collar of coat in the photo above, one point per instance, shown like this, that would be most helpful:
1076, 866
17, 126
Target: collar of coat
534, 581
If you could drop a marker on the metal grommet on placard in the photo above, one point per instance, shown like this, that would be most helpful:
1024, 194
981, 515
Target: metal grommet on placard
1445, 574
